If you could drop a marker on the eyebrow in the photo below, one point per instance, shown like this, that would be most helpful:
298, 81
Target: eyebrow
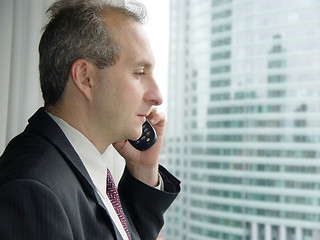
145, 64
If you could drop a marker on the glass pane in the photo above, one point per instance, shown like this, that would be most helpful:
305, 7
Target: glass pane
244, 112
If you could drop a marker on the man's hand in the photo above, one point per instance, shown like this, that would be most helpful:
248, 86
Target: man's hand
143, 165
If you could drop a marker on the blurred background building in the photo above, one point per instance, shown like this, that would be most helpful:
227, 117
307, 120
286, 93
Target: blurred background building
243, 127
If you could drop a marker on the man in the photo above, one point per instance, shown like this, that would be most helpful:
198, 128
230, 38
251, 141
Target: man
96, 78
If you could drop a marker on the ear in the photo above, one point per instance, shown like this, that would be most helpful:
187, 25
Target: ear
83, 77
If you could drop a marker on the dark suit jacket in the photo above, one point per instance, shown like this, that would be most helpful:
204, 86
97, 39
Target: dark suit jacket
46, 192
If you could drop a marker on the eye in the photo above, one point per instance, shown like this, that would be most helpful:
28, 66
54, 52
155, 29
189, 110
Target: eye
139, 74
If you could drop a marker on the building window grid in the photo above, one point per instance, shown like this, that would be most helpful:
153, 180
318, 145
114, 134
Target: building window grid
275, 93
265, 182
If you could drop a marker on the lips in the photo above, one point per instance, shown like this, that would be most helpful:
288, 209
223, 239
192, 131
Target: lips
144, 117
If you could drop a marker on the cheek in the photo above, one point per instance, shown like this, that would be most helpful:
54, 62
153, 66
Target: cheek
105, 102
131, 93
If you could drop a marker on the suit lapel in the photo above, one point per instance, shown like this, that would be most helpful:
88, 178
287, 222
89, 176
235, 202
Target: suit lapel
45, 126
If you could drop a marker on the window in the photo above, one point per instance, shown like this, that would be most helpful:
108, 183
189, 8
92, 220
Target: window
251, 136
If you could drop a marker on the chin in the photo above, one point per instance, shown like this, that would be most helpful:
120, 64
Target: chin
138, 134
135, 135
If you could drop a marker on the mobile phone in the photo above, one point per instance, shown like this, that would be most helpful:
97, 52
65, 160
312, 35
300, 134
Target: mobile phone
147, 139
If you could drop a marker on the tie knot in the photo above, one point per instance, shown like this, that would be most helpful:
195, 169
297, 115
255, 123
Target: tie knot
111, 186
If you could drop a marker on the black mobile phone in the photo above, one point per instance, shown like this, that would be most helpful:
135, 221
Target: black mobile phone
147, 139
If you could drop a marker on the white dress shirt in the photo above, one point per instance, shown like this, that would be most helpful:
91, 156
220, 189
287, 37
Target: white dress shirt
96, 165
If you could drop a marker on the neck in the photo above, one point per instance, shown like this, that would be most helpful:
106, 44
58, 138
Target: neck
80, 120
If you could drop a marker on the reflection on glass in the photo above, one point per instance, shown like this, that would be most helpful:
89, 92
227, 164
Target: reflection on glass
243, 127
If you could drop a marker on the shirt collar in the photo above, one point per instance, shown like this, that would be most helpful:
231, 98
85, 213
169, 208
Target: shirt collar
94, 162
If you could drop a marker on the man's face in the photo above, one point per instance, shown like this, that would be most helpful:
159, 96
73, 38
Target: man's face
127, 91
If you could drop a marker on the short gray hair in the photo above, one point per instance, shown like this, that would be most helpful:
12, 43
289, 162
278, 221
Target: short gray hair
76, 31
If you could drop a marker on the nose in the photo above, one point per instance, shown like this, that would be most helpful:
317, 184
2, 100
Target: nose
153, 94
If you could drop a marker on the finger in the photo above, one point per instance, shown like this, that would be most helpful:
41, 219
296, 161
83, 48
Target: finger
156, 118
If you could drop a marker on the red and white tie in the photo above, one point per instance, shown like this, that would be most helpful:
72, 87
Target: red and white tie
115, 200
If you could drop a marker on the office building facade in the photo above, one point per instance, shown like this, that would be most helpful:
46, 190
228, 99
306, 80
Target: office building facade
243, 129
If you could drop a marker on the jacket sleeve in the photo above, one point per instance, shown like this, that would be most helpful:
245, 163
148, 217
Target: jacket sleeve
30, 210
147, 205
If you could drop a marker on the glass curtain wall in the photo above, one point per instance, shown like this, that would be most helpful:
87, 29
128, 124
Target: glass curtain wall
243, 127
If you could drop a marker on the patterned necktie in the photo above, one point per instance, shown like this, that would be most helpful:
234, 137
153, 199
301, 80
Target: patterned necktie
115, 200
